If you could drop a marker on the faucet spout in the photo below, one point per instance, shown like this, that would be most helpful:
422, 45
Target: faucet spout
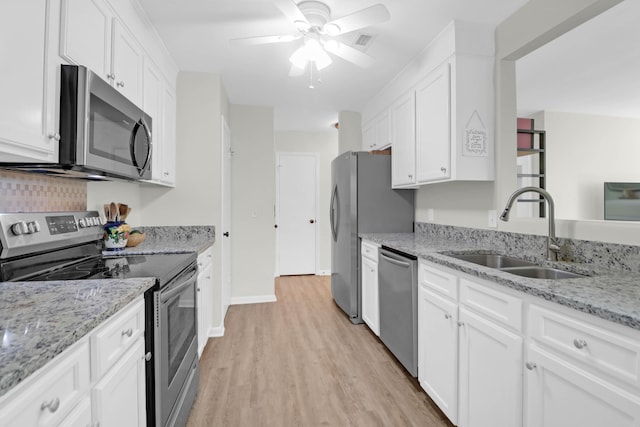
553, 246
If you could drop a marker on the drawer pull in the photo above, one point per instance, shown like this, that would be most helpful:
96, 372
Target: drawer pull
447, 316
51, 405
128, 332
579, 343
531, 365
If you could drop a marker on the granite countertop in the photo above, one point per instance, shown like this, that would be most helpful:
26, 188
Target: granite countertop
39, 320
607, 293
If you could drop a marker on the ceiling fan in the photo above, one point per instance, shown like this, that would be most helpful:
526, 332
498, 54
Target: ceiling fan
316, 27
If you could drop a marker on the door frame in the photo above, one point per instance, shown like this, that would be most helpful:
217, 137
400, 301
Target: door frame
225, 216
277, 205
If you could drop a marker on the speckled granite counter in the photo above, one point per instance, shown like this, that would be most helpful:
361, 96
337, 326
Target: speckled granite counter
610, 293
39, 320
173, 239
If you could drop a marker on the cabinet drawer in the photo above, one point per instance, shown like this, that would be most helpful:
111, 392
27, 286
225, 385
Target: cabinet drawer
440, 281
117, 334
369, 250
492, 303
52, 393
205, 258
596, 346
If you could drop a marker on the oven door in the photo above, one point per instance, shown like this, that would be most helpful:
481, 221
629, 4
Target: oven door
176, 346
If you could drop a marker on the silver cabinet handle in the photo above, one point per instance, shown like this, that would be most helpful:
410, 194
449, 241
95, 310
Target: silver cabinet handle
579, 343
120, 84
51, 405
460, 324
447, 316
54, 136
111, 76
128, 332
410, 176
531, 365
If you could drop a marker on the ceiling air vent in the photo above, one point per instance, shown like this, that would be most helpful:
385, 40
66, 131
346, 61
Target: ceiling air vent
362, 41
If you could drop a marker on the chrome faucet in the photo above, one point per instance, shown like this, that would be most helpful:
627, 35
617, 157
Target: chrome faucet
553, 246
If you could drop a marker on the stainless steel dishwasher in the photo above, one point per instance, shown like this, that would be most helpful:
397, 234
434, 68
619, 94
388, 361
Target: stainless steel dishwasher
398, 293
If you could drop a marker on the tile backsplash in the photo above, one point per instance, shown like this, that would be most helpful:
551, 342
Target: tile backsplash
25, 192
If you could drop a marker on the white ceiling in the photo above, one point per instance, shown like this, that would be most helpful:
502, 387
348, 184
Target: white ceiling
197, 34
593, 69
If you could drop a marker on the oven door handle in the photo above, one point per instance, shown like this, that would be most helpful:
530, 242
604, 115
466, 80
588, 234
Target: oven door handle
166, 296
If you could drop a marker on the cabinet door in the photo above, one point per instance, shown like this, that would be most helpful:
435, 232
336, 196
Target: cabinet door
28, 123
438, 351
126, 63
433, 126
152, 105
369, 136
118, 399
205, 306
560, 394
490, 385
370, 307
85, 36
80, 416
403, 140
168, 135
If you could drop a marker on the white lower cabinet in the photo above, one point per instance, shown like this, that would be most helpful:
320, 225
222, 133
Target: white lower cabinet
205, 297
84, 386
369, 286
438, 350
561, 394
490, 373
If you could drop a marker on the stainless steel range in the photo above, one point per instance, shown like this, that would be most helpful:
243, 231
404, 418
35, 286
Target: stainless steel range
54, 246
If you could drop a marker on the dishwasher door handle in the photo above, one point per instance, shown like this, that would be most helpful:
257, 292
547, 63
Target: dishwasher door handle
395, 261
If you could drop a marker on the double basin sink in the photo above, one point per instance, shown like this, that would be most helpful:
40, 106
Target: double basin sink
515, 266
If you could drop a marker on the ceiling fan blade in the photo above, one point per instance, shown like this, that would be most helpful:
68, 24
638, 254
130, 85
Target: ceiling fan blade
360, 19
252, 41
293, 13
349, 54
296, 71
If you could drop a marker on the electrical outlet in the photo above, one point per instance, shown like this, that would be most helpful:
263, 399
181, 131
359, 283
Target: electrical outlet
493, 219
430, 215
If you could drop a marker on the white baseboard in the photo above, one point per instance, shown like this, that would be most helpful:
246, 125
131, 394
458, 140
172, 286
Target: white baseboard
323, 273
215, 332
253, 300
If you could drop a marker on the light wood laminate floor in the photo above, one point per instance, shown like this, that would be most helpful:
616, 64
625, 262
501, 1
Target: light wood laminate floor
301, 362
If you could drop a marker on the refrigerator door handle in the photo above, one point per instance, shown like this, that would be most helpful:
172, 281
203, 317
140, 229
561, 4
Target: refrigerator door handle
332, 216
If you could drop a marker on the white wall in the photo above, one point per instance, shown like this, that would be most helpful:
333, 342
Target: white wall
349, 132
583, 151
325, 144
99, 193
252, 204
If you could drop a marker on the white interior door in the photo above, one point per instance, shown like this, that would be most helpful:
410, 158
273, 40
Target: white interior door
297, 180
225, 269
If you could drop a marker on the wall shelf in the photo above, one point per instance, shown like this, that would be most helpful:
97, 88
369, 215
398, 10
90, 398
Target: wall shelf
537, 147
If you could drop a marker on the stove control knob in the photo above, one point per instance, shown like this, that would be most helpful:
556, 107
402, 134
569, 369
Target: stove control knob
33, 227
82, 223
20, 228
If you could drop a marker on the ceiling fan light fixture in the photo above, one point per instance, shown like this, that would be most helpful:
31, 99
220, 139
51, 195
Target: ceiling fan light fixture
311, 51
332, 29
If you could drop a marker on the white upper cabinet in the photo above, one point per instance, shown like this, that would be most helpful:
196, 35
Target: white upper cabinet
403, 165
376, 135
152, 105
127, 59
433, 126
85, 35
168, 136
28, 105
450, 136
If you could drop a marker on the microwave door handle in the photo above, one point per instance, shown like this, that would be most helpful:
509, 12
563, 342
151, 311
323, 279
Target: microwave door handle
141, 123
147, 132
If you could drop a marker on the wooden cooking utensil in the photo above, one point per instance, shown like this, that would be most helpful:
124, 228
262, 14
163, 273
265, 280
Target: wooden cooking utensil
122, 211
113, 212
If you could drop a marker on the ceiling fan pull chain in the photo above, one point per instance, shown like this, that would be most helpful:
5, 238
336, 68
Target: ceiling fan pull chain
311, 75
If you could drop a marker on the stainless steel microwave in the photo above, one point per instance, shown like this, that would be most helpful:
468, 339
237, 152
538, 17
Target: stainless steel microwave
102, 133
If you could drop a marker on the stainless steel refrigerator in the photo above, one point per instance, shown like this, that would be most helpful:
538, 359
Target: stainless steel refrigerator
362, 201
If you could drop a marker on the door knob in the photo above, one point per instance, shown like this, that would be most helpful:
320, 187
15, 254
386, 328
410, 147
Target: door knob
225, 234
312, 221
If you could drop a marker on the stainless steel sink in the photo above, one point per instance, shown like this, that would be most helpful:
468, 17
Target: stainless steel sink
515, 266
537, 272
493, 260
